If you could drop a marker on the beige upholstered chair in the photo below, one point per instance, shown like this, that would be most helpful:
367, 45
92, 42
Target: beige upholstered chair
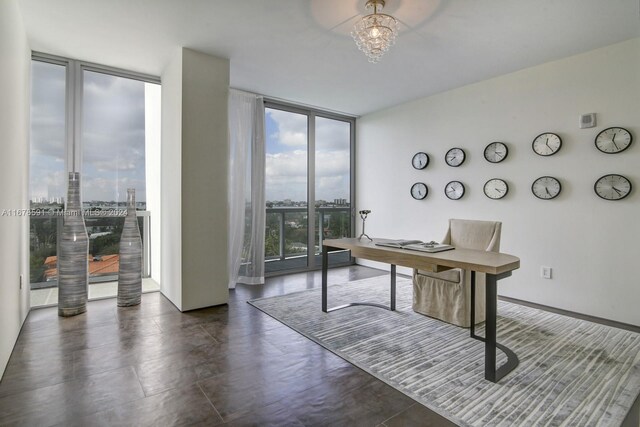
447, 295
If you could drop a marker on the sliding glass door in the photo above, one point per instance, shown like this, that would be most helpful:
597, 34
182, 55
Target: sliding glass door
309, 180
103, 123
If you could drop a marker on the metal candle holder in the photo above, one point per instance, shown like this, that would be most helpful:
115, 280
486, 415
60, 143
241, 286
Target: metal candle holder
363, 215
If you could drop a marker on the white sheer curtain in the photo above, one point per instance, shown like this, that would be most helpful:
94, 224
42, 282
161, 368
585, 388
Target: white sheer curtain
246, 188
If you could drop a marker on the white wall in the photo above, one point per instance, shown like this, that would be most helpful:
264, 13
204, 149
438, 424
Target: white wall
171, 181
205, 153
591, 244
194, 180
15, 63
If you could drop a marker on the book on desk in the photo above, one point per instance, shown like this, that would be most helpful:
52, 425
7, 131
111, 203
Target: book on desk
416, 245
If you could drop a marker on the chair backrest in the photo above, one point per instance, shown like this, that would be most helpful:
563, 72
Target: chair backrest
472, 234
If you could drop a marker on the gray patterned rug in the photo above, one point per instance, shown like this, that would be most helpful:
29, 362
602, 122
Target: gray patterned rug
571, 373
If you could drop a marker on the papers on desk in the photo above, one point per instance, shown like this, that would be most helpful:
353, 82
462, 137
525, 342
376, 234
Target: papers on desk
416, 245
430, 247
398, 243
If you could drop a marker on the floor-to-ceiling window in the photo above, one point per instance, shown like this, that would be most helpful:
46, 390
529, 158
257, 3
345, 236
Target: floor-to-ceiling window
104, 124
309, 185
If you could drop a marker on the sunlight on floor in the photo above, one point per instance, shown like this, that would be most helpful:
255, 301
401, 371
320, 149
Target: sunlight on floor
49, 296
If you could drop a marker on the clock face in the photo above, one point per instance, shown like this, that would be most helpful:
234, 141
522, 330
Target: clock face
496, 188
496, 152
612, 187
419, 190
455, 157
546, 188
613, 140
420, 160
546, 144
454, 190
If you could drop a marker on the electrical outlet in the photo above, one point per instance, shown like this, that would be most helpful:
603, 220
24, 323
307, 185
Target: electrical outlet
545, 272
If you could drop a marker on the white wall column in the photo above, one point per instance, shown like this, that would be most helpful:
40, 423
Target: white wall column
194, 180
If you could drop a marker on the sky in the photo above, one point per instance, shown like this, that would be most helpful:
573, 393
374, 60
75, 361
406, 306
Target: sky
113, 136
113, 143
286, 161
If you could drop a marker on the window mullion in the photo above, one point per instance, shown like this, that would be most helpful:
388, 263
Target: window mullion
311, 190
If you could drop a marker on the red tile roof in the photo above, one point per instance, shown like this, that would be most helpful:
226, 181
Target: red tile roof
99, 266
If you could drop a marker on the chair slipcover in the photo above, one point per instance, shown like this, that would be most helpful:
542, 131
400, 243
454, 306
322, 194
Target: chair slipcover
447, 295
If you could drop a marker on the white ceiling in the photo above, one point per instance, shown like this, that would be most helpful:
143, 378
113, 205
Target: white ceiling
301, 50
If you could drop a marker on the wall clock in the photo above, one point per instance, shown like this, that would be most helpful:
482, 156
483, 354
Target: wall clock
496, 188
546, 144
420, 160
546, 188
613, 140
496, 152
455, 157
454, 190
612, 187
419, 190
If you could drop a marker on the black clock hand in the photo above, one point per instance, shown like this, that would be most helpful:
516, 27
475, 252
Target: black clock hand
547, 190
498, 190
614, 143
617, 191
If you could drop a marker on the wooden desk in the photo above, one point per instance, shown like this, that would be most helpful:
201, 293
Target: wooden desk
495, 265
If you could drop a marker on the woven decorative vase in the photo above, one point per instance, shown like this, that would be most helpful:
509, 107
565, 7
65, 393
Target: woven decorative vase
130, 270
73, 257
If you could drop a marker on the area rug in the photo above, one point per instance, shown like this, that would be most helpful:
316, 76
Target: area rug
571, 372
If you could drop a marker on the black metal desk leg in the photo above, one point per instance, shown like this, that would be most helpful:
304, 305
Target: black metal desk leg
325, 264
393, 287
473, 304
490, 328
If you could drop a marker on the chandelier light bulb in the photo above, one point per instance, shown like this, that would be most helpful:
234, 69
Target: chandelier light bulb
374, 34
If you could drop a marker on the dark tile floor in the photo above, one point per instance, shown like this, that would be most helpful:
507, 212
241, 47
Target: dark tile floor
231, 365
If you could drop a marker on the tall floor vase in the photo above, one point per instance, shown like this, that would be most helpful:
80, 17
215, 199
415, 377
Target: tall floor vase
130, 270
73, 257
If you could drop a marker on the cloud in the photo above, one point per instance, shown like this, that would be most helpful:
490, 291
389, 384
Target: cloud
286, 175
113, 134
111, 189
286, 161
291, 129
332, 134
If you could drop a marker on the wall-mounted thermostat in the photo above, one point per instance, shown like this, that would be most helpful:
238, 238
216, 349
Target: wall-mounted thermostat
587, 120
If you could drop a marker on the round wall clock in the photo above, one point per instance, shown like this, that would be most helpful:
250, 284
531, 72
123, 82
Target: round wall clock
420, 160
455, 157
612, 187
496, 188
419, 190
496, 152
546, 188
546, 144
613, 140
454, 190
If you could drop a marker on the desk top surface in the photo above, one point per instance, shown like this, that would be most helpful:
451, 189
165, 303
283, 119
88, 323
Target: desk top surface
468, 259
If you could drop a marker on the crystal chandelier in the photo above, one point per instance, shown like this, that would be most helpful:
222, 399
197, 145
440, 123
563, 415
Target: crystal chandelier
375, 33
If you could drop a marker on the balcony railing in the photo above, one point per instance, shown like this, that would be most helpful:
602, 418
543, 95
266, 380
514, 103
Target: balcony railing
46, 233
287, 230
